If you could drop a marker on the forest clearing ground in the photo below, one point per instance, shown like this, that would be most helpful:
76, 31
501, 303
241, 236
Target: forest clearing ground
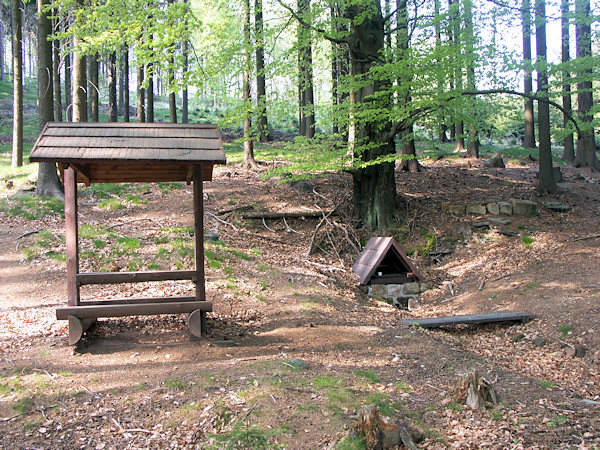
143, 382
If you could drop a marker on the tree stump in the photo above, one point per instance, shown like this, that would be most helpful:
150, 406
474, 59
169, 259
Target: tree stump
378, 433
474, 391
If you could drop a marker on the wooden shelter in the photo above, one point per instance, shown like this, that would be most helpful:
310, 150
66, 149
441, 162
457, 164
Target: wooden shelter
130, 152
383, 262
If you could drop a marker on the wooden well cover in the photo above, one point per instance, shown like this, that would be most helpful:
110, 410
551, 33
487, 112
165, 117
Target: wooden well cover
384, 255
115, 152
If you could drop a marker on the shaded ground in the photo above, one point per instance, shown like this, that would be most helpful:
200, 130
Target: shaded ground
143, 382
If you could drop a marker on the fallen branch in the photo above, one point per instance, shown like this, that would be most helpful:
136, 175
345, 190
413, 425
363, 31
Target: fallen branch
236, 209
585, 238
29, 233
242, 231
132, 430
40, 409
287, 215
288, 228
314, 235
267, 227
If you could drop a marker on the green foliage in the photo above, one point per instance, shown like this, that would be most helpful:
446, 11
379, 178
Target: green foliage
565, 329
111, 204
527, 240
369, 374
32, 207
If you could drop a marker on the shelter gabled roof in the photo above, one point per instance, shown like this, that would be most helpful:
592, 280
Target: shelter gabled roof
115, 152
66, 142
372, 256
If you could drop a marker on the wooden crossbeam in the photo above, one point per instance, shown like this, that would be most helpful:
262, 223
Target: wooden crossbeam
134, 277
133, 309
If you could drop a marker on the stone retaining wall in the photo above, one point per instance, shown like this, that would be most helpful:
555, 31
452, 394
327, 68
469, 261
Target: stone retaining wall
514, 206
398, 295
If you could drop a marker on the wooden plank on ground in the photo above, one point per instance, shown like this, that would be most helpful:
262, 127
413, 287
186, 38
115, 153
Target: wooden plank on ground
470, 319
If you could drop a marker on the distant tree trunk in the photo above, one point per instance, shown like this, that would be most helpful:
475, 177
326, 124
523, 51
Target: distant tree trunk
305, 73
2, 71
125, 84
334, 70
17, 59
546, 183
374, 186
440, 79
529, 138
339, 69
141, 108
454, 17
112, 87
150, 92
56, 77
261, 90
248, 158
121, 99
48, 183
406, 134
184, 93
586, 146
473, 141
93, 87
68, 84
79, 87
569, 148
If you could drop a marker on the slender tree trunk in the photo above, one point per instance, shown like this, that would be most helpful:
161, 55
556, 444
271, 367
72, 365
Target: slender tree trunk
248, 158
126, 84
17, 59
93, 88
150, 92
112, 87
56, 77
454, 13
141, 108
406, 134
569, 148
529, 138
334, 71
2, 54
48, 183
546, 183
440, 79
305, 73
374, 186
79, 87
121, 100
261, 90
586, 146
473, 140
184, 93
68, 85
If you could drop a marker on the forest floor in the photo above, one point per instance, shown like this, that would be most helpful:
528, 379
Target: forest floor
294, 348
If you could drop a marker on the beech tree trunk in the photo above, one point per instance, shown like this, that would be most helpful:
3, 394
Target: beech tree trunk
2, 71
305, 73
93, 88
546, 183
112, 87
529, 137
586, 145
125, 70
374, 186
68, 84
150, 93
569, 147
56, 77
184, 93
79, 88
261, 91
443, 137
454, 17
141, 108
248, 157
473, 140
48, 183
17, 60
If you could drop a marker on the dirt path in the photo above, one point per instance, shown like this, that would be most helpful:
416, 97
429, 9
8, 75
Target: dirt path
143, 382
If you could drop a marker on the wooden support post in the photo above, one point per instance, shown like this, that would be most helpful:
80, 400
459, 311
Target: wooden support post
71, 236
199, 239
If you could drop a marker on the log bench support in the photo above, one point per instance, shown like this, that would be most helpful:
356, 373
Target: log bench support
81, 314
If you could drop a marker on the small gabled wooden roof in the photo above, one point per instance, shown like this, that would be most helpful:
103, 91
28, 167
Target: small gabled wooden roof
120, 152
375, 251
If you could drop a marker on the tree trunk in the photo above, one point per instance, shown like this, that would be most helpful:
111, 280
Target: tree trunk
569, 148
586, 146
546, 183
93, 89
248, 158
261, 91
454, 17
56, 76
48, 183
2, 71
17, 57
374, 186
112, 87
141, 108
305, 73
150, 92
184, 92
121, 88
125, 70
68, 85
79, 87
473, 140
440, 79
529, 138
406, 135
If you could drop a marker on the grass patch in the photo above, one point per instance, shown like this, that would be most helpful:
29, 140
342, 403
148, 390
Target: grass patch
111, 204
546, 384
368, 374
242, 436
175, 383
527, 240
32, 207
351, 442
565, 329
